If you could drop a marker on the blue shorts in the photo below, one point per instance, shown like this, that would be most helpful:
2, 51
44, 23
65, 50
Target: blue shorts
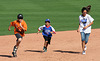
85, 37
18, 36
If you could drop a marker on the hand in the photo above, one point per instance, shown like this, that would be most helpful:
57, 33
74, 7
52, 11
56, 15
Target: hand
9, 29
78, 30
85, 27
37, 32
51, 32
47, 33
21, 25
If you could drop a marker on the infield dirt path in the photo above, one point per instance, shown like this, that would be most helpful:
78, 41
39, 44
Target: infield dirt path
65, 46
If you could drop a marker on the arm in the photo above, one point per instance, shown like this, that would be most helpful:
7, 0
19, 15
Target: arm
53, 31
40, 28
91, 22
38, 32
9, 27
24, 27
88, 25
11, 24
78, 28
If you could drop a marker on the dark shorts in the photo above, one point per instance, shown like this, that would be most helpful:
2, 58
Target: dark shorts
47, 39
18, 36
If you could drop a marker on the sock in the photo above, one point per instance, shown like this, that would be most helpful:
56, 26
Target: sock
15, 49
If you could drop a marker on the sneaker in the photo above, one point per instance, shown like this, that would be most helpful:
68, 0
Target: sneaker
85, 48
14, 54
83, 53
45, 50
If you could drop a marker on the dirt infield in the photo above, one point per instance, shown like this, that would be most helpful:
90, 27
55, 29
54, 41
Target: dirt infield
65, 46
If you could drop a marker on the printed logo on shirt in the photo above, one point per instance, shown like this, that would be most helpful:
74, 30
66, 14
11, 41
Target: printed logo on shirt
84, 21
47, 31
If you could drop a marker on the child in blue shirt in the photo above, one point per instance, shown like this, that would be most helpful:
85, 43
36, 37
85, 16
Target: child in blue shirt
47, 31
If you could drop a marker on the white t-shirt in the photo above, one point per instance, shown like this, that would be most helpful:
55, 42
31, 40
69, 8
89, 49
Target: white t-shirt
84, 21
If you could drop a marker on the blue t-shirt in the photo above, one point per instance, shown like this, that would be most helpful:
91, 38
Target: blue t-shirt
46, 30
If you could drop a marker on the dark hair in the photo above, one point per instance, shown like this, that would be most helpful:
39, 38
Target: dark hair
88, 8
84, 8
47, 21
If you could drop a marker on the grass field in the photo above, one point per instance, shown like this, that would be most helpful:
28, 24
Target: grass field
62, 13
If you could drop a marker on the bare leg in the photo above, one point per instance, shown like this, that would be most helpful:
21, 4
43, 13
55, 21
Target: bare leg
16, 47
17, 43
46, 44
83, 45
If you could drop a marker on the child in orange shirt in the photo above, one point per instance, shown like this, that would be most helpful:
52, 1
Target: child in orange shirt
19, 31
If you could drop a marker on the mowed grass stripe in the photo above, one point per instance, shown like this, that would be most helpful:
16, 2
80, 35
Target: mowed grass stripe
62, 13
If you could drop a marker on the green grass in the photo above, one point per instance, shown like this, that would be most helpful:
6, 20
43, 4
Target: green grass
62, 13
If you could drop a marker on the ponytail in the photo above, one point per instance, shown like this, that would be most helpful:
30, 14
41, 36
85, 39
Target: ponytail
88, 8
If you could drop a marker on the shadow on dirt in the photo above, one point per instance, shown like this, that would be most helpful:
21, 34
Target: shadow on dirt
9, 56
39, 51
73, 52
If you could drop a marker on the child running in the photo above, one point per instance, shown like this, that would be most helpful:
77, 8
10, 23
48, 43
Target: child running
19, 31
47, 31
85, 22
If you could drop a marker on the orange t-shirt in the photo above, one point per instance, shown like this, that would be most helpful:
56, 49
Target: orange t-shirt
16, 24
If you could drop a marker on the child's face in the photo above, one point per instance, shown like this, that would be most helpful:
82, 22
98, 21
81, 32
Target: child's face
84, 13
20, 20
47, 23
